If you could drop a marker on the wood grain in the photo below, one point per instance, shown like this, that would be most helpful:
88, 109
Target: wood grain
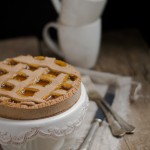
19, 46
125, 52
122, 52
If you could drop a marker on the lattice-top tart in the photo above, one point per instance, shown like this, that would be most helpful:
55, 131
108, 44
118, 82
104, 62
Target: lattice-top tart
37, 87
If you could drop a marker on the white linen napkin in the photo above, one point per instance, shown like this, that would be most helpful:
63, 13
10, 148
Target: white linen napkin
103, 138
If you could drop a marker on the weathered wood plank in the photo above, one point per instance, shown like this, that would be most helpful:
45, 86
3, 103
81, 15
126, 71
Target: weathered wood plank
19, 46
123, 52
140, 117
114, 52
126, 53
46, 51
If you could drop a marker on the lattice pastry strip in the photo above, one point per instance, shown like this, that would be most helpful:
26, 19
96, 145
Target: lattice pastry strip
68, 84
59, 92
48, 77
11, 71
43, 92
32, 77
50, 63
20, 86
57, 82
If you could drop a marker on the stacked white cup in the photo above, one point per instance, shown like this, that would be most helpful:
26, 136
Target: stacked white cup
79, 31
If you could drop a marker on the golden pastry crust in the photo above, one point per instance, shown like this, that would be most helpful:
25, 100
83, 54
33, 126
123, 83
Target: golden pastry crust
37, 87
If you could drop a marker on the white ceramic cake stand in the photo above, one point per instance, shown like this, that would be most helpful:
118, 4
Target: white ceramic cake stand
43, 134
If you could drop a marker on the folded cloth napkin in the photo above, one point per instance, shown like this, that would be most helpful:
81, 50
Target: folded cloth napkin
103, 138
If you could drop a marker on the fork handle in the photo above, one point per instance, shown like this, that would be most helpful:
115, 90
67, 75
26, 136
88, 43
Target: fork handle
86, 145
116, 129
126, 126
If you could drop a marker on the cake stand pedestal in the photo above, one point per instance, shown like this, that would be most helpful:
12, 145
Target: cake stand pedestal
48, 133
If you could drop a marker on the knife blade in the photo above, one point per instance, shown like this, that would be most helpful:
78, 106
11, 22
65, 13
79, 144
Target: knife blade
109, 97
99, 117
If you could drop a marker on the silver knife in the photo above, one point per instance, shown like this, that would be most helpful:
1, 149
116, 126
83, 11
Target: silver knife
99, 117
117, 124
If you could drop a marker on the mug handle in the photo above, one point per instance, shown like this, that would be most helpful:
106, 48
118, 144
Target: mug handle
57, 5
48, 40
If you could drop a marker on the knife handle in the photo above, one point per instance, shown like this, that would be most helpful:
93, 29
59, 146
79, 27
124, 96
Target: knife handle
89, 138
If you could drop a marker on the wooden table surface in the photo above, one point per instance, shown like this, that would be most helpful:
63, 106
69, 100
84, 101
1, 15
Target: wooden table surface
122, 52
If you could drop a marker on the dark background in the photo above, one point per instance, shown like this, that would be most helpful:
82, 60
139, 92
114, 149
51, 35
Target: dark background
27, 17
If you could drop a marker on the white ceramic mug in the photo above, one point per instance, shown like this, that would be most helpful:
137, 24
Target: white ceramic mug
79, 12
78, 45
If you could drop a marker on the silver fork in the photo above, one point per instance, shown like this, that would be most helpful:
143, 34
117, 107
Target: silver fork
117, 130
